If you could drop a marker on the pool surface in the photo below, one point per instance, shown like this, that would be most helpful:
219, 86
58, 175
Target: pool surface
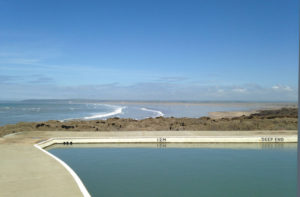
179, 170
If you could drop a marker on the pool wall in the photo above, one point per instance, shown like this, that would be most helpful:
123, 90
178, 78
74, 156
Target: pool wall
173, 139
177, 139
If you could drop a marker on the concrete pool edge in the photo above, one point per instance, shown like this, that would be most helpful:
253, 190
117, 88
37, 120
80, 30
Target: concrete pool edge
76, 178
158, 139
26, 171
172, 139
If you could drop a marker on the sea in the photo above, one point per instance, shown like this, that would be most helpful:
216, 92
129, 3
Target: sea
12, 112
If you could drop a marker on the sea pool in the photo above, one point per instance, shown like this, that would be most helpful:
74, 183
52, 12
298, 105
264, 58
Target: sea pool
213, 170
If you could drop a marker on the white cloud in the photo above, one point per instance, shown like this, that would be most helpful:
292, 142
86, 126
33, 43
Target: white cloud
275, 87
282, 88
172, 79
240, 90
288, 88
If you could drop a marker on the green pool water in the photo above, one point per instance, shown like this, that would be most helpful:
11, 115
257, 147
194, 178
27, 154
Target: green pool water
250, 170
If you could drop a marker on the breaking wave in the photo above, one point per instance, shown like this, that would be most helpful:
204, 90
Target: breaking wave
158, 113
118, 110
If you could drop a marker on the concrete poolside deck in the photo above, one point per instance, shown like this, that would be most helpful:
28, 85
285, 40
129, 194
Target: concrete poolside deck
27, 171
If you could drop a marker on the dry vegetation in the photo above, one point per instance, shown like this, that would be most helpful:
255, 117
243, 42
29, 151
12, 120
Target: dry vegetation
281, 119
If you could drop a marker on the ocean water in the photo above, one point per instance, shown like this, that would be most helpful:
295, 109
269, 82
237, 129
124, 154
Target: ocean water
214, 170
12, 112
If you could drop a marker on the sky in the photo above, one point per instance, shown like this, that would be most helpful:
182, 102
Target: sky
198, 50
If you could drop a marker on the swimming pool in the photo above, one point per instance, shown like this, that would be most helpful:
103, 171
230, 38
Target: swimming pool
184, 169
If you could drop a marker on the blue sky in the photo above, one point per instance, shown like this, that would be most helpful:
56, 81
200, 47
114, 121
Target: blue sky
149, 50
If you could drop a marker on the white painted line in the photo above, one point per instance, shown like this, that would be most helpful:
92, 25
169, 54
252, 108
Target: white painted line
69, 169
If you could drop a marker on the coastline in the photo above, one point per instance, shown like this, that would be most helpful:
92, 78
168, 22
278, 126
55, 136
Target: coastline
70, 110
275, 119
